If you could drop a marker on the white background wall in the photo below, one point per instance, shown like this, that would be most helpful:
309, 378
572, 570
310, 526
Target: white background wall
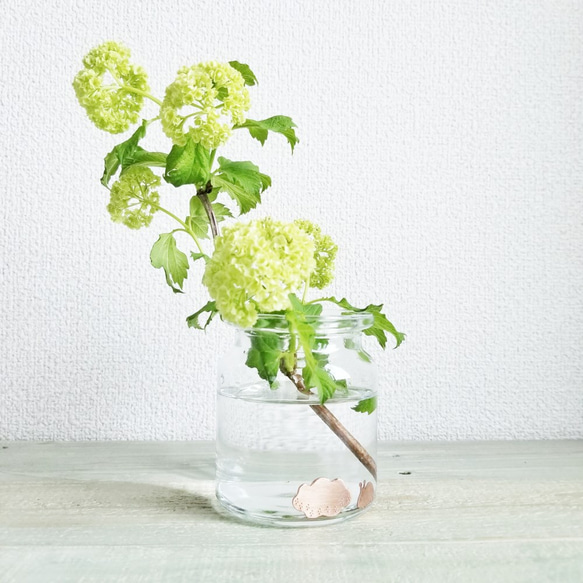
441, 145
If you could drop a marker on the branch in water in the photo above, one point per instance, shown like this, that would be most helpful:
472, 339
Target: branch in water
333, 423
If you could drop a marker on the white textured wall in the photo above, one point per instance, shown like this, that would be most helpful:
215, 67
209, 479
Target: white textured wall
442, 145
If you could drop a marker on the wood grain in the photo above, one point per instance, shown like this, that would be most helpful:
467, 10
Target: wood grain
124, 511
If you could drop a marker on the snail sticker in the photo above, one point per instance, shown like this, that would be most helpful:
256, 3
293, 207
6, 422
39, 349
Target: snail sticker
323, 497
366, 495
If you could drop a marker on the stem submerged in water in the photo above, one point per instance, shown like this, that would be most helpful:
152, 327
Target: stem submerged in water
346, 437
333, 422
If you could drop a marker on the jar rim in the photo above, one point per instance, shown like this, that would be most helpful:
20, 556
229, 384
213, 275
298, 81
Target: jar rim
323, 324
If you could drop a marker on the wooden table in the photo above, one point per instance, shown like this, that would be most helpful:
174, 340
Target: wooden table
126, 511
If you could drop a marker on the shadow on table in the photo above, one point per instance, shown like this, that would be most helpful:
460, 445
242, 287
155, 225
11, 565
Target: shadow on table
183, 501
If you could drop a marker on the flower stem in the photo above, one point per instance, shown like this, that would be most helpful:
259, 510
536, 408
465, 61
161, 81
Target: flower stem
306, 286
314, 301
333, 423
346, 437
131, 89
179, 231
186, 228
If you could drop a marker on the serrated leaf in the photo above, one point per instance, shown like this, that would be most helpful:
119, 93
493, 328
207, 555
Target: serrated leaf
246, 72
197, 256
304, 329
380, 322
265, 354
381, 325
115, 158
141, 157
188, 164
128, 154
244, 173
257, 131
198, 220
245, 200
241, 181
192, 320
111, 166
320, 379
212, 195
296, 304
280, 124
265, 181
366, 406
307, 309
166, 255
314, 373
221, 212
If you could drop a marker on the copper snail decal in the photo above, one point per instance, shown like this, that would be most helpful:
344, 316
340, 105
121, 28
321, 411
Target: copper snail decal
324, 497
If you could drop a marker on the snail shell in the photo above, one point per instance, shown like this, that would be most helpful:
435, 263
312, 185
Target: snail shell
323, 497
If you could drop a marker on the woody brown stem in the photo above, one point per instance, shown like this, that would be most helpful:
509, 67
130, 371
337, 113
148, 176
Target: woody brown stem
334, 423
206, 203
346, 437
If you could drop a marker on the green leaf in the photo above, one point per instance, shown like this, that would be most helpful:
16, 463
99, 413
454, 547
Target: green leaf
198, 220
352, 345
381, 325
175, 263
197, 256
366, 406
380, 322
221, 212
320, 379
307, 309
241, 181
280, 124
111, 166
265, 355
214, 193
265, 181
188, 164
141, 157
244, 173
210, 308
298, 321
246, 72
128, 154
116, 157
314, 373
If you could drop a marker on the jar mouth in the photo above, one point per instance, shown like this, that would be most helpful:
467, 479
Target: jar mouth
324, 324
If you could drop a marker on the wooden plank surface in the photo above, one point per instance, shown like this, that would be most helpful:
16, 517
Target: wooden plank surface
124, 511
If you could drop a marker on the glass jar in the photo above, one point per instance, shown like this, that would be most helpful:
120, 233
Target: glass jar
283, 458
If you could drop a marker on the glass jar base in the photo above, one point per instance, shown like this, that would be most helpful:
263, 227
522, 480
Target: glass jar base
282, 520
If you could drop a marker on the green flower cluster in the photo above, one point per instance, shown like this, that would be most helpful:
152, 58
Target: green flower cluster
112, 107
324, 254
219, 97
133, 198
255, 266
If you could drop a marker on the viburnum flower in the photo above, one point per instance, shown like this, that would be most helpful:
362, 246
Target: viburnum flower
324, 254
218, 97
114, 106
255, 266
133, 198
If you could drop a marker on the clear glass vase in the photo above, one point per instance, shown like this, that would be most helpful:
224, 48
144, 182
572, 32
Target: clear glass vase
283, 458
